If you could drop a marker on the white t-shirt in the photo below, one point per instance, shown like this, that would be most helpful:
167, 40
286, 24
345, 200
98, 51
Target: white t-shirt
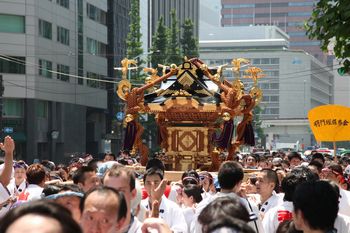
342, 224
189, 214
344, 202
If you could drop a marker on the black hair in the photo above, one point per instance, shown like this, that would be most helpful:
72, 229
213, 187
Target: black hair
287, 226
271, 175
93, 163
51, 189
193, 190
230, 174
318, 156
316, 164
222, 207
294, 154
155, 163
56, 188
153, 171
190, 177
45, 209
79, 175
48, 164
297, 176
104, 190
255, 157
318, 202
110, 154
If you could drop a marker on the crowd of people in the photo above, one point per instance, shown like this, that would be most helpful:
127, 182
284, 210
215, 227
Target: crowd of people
269, 193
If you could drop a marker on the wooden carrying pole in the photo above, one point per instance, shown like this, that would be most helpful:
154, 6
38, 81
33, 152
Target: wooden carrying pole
335, 152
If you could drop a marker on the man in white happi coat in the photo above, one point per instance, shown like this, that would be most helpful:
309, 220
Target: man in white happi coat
168, 210
6, 170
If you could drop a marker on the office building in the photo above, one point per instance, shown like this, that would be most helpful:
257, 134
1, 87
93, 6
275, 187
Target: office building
184, 10
289, 15
118, 21
295, 81
53, 62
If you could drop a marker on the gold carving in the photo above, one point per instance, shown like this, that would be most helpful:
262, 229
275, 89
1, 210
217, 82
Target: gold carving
254, 74
236, 63
256, 94
124, 87
125, 66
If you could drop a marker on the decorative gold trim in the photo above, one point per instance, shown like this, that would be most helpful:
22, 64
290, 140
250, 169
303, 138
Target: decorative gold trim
124, 87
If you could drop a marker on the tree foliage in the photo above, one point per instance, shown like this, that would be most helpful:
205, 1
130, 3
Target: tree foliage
330, 20
188, 42
173, 46
159, 44
133, 41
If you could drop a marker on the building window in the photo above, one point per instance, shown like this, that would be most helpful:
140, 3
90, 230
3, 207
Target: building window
274, 86
269, 86
42, 109
274, 98
45, 68
96, 14
272, 111
13, 65
12, 23
265, 61
63, 35
227, 6
256, 61
297, 34
275, 61
295, 24
63, 3
45, 29
94, 83
299, 13
62, 71
305, 43
238, 16
300, 3
95, 47
12, 108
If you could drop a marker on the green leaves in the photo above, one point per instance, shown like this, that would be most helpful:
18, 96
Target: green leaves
189, 43
159, 44
166, 45
331, 19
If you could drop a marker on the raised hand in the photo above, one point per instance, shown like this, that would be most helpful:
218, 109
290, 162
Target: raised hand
8, 146
157, 192
152, 225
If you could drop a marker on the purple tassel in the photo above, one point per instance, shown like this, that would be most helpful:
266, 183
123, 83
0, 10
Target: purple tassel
248, 135
130, 134
223, 141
